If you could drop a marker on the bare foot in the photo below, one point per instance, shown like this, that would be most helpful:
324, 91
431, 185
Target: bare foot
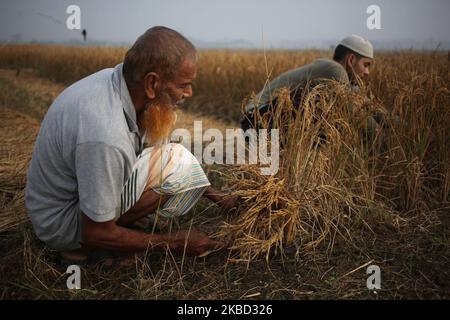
141, 223
158, 223
118, 261
77, 256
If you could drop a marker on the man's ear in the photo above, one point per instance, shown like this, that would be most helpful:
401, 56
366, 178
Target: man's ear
351, 59
152, 84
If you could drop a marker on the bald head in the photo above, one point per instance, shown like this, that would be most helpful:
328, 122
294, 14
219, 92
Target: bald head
159, 49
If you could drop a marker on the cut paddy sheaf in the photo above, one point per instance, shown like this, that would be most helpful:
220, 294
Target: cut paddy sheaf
341, 180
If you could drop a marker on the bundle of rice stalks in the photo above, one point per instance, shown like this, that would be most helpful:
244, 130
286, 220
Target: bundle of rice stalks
325, 188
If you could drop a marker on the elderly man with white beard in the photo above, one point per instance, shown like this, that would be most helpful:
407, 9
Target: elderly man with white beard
91, 179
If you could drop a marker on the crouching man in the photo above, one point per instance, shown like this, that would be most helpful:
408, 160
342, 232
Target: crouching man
90, 177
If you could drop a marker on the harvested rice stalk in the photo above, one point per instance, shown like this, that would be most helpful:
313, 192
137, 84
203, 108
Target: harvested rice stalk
324, 186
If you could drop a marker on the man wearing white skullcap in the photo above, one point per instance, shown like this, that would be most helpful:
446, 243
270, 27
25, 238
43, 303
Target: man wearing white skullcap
352, 60
355, 54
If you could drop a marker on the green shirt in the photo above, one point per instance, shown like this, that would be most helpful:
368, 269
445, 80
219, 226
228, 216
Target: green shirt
298, 78
312, 74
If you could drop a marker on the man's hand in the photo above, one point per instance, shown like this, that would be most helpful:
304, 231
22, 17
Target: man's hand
224, 200
229, 202
194, 243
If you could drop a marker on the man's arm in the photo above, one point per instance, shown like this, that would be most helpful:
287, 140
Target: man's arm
108, 235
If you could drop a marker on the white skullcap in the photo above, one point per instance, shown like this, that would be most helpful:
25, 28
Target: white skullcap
358, 45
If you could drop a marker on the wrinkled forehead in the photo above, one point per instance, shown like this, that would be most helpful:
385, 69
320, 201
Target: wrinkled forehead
187, 69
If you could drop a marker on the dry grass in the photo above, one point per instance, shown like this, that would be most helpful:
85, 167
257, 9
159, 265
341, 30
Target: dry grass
302, 233
15, 153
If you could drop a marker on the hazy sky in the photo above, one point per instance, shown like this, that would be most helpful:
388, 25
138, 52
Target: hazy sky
226, 20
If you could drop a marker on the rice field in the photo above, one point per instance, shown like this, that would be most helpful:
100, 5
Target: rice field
300, 234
